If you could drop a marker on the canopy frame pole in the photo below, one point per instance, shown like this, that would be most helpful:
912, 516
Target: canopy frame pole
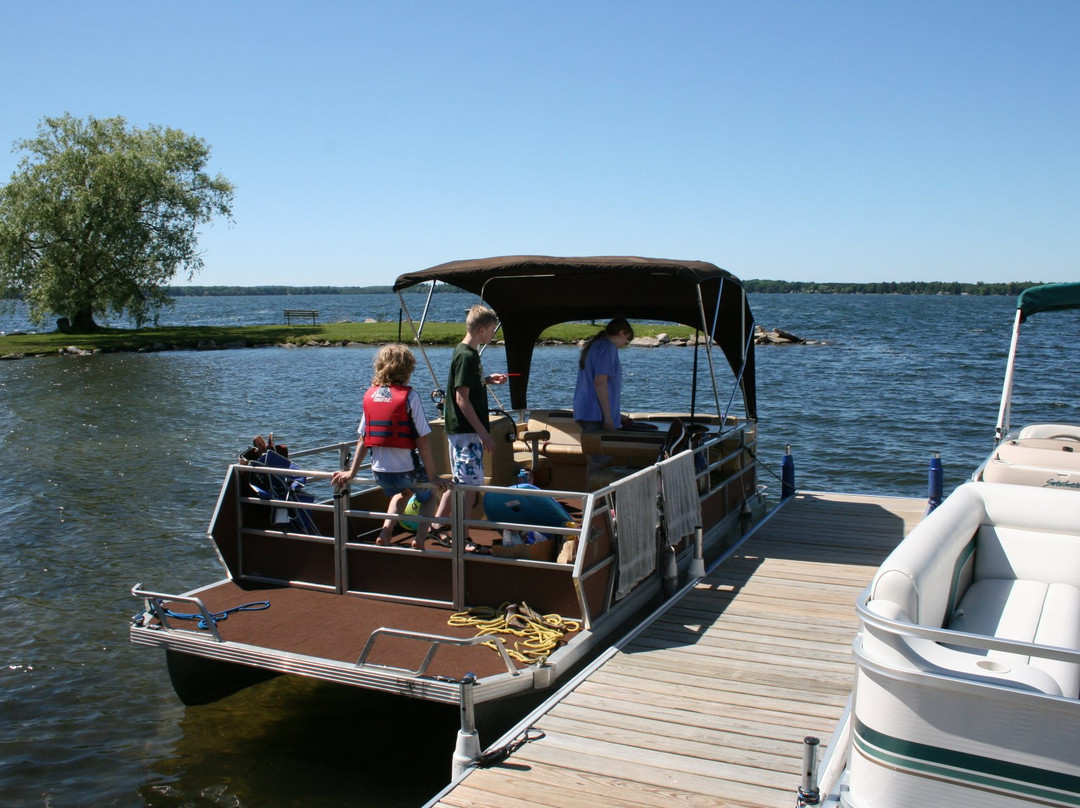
1005, 411
416, 337
709, 339
745, 352
693, 388
739, 375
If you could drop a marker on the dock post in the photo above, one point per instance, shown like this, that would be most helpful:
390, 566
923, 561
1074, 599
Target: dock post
467, 748
670, 572
808, 791
697, 564
935, 482
787, 474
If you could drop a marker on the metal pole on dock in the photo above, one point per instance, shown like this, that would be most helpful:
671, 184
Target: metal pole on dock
697, 564
808, 791
467, 748
670, 573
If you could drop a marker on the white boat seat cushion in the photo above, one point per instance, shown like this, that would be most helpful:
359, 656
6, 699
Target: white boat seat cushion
1026, 611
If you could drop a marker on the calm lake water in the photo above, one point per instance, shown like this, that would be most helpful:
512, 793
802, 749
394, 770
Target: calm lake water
114, 462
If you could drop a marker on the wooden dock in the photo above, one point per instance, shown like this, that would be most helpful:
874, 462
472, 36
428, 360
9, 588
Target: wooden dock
708, 705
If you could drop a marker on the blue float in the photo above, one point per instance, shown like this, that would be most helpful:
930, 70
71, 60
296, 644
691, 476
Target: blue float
509, 506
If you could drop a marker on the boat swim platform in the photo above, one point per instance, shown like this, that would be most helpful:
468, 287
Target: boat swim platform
708, 702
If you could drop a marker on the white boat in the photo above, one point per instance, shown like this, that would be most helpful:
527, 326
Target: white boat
307, 592
968, 652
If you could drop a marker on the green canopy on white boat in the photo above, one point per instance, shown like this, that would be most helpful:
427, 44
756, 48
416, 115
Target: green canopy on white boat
1049, 297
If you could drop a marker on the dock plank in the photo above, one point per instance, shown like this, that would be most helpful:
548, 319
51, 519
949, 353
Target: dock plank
708, 705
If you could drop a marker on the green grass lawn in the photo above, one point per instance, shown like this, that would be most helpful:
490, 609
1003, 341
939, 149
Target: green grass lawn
187, 337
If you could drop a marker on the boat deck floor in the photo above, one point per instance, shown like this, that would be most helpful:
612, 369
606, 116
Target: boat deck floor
709, 704
336, 627
327, 625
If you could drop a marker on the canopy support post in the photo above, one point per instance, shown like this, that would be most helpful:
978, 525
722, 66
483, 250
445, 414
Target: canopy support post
1004, 413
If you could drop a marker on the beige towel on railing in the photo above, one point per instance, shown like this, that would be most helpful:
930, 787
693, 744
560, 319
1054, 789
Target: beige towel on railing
636, 519
682, 506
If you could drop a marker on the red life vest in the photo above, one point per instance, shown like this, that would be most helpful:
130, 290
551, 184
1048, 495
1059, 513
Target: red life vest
386, 418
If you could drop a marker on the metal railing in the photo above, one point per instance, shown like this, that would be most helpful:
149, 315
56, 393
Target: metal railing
435, 642
721, 460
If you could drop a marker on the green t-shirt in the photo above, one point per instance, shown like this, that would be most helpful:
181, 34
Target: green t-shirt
465, 371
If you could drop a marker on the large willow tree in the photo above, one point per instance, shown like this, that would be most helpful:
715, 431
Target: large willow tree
99, 216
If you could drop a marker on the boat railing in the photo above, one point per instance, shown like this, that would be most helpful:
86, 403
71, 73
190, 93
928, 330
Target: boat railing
325, 542
155, 605
435, 642
727, 459
885, 627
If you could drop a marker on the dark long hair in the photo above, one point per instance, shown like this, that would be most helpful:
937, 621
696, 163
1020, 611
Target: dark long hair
610, 330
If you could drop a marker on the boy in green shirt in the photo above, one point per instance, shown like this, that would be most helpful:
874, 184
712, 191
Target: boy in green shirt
466, 412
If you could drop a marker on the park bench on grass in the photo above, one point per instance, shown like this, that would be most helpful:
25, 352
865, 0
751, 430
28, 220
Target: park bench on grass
301, 314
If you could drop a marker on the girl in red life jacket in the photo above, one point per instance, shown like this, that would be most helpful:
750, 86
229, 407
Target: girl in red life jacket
392, 426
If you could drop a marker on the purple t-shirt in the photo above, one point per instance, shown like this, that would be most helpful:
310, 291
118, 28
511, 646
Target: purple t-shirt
601, 360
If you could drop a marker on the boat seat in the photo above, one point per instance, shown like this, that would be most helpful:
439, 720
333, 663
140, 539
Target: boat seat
1053, 431
560, 462
1042, 455
1028, 611
966, 568
500, 467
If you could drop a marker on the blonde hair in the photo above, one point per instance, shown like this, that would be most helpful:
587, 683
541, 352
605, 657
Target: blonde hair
394, 364
478, 317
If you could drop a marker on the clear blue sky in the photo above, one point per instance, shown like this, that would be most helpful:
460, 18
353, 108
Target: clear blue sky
818, 140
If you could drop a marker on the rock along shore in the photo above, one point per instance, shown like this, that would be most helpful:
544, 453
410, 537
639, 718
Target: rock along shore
775, 336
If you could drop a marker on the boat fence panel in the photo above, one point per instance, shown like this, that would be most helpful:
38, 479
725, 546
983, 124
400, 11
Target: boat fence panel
266, 534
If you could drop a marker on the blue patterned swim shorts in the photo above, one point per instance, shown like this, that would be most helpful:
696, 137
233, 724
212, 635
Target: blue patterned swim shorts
466, 458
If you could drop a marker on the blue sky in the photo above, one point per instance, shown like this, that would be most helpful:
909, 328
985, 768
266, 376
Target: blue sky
817, 141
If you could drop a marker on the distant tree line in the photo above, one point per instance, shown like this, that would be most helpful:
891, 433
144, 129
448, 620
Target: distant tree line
754, 287
888, 288
225, 291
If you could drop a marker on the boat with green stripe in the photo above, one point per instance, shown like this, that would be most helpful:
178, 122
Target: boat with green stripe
967, 684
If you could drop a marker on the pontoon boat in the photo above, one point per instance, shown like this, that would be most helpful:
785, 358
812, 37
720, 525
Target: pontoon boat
306, 590
968, 653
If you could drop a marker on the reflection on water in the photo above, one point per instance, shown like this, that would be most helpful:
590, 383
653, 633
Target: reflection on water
112, 468
299, 742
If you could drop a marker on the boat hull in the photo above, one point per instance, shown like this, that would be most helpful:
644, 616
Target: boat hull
921, 739
201, 680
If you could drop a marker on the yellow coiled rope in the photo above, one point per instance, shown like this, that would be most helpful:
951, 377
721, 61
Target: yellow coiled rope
540, 633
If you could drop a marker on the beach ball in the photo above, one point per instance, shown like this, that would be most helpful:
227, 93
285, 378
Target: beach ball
412, 508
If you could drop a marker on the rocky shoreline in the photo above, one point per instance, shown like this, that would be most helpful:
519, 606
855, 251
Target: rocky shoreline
776, 336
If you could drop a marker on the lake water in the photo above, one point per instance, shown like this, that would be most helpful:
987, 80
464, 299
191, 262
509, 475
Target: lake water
114, 461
